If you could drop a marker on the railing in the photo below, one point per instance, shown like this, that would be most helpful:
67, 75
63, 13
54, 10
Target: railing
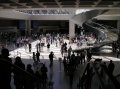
85, 82
97, 76
112, 81
111, 28
40, 83
102, 85
98, 26
107, 36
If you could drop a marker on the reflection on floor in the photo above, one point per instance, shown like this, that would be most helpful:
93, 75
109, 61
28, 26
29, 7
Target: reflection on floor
60, 79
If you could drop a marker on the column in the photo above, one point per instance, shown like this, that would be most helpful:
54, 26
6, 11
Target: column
118, 26
28, 27
71, 30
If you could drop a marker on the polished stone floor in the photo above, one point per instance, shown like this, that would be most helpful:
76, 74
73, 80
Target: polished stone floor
60, 79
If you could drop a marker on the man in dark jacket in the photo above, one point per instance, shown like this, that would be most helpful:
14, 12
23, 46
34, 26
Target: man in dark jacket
111, 66
37, 56
51, 56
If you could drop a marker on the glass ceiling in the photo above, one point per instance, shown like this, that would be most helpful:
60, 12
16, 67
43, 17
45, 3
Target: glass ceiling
45, 12
53, 12
79, 11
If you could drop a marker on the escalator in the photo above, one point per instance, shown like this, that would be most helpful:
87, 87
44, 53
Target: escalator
97, 76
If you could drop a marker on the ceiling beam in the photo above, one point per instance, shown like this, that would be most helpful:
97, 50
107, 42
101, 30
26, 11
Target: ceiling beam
96, 3
17, 2
40, 4
59, 3
114, 4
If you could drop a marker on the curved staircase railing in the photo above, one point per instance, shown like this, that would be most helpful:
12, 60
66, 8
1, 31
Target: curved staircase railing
107, 37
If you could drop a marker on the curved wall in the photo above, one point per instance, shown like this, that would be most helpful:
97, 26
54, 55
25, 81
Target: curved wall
79, 19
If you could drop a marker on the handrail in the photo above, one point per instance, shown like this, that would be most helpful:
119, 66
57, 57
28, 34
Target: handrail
111, 77
107, 26
82, 81
107, 40
97, 28
21, 70
99, 25
99, 78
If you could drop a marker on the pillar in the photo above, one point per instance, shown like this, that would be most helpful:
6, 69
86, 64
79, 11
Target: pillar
28, 27
71, 30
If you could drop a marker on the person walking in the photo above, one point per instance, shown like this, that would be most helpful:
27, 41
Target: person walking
51, 56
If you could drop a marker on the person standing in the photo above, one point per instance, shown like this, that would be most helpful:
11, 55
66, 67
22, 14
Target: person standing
29, 82
111, 66
34, 56
39, 47
30, 47
5, 70
64, 63
69, 51
37, 56
44, 71
51, 56
19, 76
62, 50
48, 47
71, 75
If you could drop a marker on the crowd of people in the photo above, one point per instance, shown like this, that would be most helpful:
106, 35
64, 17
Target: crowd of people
70, 59
21, 80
